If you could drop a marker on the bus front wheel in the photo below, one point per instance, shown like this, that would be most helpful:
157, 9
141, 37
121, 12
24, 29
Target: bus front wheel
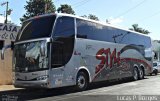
82, 81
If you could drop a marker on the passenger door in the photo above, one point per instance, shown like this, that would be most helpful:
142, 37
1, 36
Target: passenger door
62, 48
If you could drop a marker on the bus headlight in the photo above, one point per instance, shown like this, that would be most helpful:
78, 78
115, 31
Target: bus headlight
42, 77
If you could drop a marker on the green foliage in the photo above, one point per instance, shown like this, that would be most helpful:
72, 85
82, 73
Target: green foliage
66, 9
91, 16
37, 7
139, 29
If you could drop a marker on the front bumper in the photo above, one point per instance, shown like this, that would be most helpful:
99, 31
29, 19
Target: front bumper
32, 84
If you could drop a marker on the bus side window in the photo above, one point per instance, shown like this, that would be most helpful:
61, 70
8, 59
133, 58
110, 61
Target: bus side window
64, 27
62, 47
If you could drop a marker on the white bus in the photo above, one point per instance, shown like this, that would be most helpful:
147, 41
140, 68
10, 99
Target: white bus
57, 50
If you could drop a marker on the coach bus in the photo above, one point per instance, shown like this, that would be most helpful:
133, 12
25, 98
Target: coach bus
57, 50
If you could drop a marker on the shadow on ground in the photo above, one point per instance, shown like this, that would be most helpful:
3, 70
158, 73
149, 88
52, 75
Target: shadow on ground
33, 94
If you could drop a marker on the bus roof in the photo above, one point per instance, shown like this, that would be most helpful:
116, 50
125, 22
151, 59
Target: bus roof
99, 22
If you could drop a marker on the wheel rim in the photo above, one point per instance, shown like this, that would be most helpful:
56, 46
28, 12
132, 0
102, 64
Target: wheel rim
81, 82
141, 74
135, 74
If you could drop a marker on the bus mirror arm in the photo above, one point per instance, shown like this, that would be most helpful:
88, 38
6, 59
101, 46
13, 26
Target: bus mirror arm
3, 50
51, 40
42, 48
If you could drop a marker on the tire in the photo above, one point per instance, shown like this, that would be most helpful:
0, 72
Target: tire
135, 74
141, 74
82, 81
156, 72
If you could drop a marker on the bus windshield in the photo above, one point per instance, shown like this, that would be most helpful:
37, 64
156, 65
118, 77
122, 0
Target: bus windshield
36, 28
27, 57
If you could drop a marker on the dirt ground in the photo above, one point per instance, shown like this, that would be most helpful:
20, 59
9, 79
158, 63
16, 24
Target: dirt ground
6, 68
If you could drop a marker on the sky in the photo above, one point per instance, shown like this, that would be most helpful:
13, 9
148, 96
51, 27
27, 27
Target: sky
121, 13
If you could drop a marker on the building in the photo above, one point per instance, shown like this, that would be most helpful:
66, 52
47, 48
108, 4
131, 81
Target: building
8, 33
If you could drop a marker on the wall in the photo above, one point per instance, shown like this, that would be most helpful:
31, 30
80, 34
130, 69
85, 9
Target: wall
8, 34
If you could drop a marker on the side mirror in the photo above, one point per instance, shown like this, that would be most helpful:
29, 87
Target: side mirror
3, 50
2, 54
43, 48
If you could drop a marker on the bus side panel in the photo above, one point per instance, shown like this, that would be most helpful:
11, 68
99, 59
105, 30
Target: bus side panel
106, 60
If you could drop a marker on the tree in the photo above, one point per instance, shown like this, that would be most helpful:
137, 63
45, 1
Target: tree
84, 16
38, 7
139, 29
91, 16
66, 9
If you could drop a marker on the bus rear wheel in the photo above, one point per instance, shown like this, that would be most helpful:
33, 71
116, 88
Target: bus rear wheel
141, 74
135, 74
82, 81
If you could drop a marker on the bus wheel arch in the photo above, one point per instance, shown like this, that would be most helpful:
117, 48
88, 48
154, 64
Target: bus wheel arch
82, 79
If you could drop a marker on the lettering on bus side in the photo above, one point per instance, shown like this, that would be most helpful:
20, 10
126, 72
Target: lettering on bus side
107, 58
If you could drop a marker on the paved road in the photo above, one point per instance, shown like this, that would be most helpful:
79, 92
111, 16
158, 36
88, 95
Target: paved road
142, 90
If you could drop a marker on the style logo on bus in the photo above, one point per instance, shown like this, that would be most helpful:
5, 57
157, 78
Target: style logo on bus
107, 58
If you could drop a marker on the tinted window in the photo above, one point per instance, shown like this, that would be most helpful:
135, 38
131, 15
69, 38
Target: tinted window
133, 38
64, 27
62, 47
95, 31
154, 64
36, 28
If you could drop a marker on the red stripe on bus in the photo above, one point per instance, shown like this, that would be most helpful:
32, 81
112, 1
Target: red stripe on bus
127, 59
